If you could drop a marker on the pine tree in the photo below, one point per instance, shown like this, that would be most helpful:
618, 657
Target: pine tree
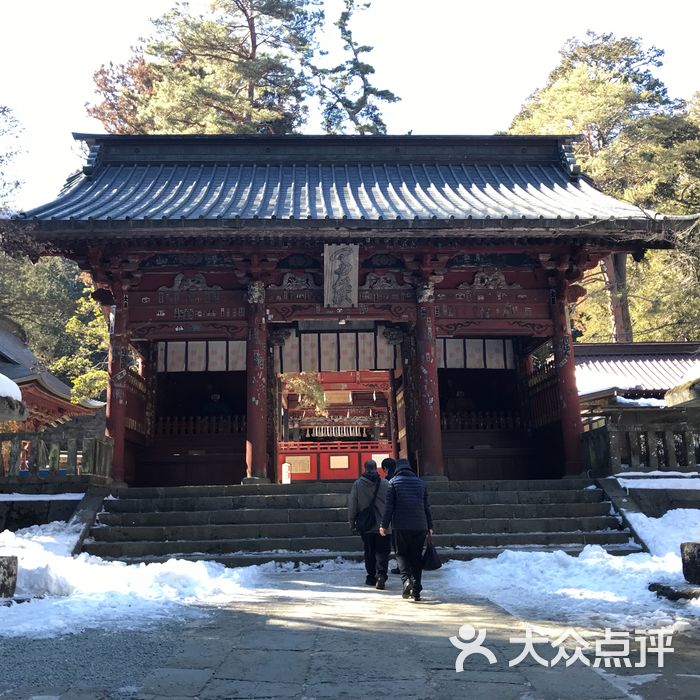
348, 97
245, 66
637, 144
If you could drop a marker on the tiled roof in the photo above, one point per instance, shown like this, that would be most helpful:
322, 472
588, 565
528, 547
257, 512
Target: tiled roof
340, 178
20, 364
647, 366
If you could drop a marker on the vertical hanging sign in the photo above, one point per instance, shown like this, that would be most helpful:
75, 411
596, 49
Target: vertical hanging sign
340, 275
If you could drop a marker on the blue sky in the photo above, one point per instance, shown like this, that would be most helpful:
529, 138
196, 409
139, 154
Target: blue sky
459, 66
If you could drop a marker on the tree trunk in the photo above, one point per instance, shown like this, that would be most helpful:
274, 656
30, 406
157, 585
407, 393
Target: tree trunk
690, 555
614, 269
8, 576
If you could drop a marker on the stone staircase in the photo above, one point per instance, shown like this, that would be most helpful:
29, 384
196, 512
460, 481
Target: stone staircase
307, 522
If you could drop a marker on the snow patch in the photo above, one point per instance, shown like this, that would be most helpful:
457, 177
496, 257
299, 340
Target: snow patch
87, 592
663, 473
673, 483
591, 382
657, 403
9, 388
595, 589
663, 536
41, 497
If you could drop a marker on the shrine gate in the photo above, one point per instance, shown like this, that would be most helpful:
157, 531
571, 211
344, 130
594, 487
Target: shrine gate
319, 300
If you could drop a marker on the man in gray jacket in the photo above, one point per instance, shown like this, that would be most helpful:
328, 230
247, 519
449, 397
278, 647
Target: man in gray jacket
377, 548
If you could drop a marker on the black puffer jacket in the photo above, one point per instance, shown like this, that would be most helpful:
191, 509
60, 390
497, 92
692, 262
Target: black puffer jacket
407, 503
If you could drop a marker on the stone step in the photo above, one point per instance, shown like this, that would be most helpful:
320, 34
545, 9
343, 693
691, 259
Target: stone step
567, 483
341, 529
521, 510
312, 487
262, 515
226, 517
192, 503
526, 525
342, 544
299, 488
446, 554
339, 500
515, 497
309, 515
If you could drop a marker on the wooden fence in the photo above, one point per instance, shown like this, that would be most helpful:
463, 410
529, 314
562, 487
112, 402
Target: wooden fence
54, 453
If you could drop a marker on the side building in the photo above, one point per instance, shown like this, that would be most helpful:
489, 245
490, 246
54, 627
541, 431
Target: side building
318, 300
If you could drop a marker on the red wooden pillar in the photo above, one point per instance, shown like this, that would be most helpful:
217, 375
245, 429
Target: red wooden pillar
256, 379
116, 389
566, 377
431, 459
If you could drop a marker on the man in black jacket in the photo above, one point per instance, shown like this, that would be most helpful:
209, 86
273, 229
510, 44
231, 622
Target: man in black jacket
408, 510
376, 547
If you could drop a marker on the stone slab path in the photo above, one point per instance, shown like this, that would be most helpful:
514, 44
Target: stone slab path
323, 634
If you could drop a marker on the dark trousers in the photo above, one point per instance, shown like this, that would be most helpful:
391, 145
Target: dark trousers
377, 550
409, 555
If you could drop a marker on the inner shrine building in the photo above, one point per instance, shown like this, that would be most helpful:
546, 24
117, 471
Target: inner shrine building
314, 301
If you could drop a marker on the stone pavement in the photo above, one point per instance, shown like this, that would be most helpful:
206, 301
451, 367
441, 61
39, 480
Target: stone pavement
325, 635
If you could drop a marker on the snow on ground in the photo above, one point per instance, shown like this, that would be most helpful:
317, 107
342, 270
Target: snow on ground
9, 388
662, 483
663, 473
664, 535
41, 497
88, 592
593, 590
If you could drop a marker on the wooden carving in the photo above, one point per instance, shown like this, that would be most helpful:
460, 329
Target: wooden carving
492, 279
189, 284
296, 282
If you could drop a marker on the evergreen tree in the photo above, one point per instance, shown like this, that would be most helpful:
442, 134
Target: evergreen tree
637, 144
84, 360
41, 298
245, 66
348, 97
9, 146
230, 70
48, 299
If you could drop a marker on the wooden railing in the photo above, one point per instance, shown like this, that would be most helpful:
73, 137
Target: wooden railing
199, 425
480, 420
54, 453
614, 448
342, 447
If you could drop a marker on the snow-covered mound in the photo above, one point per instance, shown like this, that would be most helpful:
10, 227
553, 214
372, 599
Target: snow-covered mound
88, 592
594, 590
